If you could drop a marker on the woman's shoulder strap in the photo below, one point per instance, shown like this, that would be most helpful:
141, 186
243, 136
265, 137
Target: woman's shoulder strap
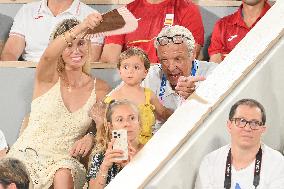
108, 99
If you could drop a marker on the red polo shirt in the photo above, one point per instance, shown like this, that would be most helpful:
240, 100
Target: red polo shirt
230, 30
152, 18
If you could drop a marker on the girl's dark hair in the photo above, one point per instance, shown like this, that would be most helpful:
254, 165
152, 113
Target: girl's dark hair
250, 103
64, 26
13, 171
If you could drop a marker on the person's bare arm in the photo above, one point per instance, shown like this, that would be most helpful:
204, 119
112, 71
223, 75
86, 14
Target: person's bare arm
96, 51
217, 58
102, 89
111, 53
3, 153
110, 157
25, 123
13, 48
46, 70
1, 47
161, 111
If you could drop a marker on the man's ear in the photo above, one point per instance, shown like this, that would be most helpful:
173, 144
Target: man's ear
263, 128
194, 52
157, 55
146, 72
229, 126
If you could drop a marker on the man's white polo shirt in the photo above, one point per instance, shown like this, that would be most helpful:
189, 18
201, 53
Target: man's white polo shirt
35, 22
170, 98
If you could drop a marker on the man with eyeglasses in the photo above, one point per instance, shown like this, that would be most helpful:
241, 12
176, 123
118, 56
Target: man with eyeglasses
154, 15
178, 74
245, 163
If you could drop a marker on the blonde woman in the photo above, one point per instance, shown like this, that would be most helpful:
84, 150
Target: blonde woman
64, 92
120, 114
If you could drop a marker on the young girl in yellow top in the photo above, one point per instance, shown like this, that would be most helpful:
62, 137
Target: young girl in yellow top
133, 67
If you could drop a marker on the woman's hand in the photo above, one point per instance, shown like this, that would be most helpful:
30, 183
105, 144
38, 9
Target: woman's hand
131, 153
82, 146
110, 156
93, 20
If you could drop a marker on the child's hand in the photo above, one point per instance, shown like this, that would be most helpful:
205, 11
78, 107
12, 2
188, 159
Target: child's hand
97, 113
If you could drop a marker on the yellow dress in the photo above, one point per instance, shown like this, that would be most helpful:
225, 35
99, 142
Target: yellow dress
146, 115
45, 144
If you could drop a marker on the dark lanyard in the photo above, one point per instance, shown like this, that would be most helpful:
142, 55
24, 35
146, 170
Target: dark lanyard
164, 79
257, 168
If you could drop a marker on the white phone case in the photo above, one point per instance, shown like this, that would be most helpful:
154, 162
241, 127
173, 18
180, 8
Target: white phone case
121, 143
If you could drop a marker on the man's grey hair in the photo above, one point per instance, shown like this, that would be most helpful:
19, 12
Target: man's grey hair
177, 30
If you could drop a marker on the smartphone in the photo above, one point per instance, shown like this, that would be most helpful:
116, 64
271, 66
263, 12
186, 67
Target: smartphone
120, 142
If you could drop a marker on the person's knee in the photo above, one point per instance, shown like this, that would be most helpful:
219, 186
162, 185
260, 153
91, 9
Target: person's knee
63, 178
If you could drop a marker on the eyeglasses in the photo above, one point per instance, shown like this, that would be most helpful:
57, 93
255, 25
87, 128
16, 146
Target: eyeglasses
80, 44
241, 123
176, 39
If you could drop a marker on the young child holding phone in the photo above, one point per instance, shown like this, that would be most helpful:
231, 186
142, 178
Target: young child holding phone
133, 67
105, 165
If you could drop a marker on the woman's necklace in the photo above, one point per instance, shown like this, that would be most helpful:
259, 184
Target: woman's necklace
68, 85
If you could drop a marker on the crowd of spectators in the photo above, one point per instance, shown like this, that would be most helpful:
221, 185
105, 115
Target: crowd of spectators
66, 97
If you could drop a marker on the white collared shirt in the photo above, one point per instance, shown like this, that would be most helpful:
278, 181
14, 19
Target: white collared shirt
170, 98
212, 171
35, 22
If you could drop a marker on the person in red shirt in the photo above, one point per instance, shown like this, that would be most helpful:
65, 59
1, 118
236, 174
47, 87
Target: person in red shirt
153, 15
230, 30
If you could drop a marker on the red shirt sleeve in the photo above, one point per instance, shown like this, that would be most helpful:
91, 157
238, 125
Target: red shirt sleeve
116, 39
216, 45
192, 20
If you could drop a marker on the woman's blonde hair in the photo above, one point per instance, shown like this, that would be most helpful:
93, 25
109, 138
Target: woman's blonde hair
62, 27
103, 135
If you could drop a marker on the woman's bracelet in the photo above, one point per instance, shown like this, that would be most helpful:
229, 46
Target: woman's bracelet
71, 36
92, 134
68, 43
103, 175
